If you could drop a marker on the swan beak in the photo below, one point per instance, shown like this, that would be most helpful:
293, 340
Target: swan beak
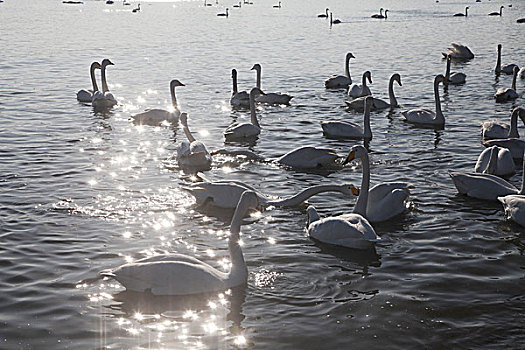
351, 156
181, 84
355, 191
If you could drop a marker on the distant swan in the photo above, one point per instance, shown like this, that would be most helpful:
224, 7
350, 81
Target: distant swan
192, 153
460, 52
238, 5
341, 81
324, 15
157, 116
278, 5
246, 130
104, 99
378, 104
272, 98
502, 166
87, 95
356, 90
425, 116
453, 78
508, 94
462, 14
499, 130
223, 14
381, 16
185, 275
347, 130
334, 21
378, 15
507, 69
497, 13
136, 9
239, 98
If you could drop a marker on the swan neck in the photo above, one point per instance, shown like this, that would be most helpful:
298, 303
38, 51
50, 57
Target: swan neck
366, 121
522, 189
238, 269
362, 200
439, 114
258, 85
363, 80
187, 131
498, 62
391, 95
347, 67
93, 78
173, 98
492, 165
515, 75
253, 116
304, 195
447, 73
104, 82
234, 78
513, 132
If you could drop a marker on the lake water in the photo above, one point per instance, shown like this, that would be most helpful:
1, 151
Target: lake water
83, 191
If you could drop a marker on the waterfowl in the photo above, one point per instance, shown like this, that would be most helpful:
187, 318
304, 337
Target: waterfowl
515, 146
378, 15
309, 157
462, 14
277, 6
454, 78
87, 95
192, 153
223, 14
508, 94
341, 81
502, 166
239, 98
507, 69
460, 52
356, 90
104, 99
334, 21
423, 116
497, 13
136, 9
157, 116
499, 130
272, 98
347, 130
377, 103
324, 15
246, 130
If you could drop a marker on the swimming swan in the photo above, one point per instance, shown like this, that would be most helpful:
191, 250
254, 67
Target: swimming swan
454, 78
341, 81
425, 116
185, 275
104, 98
507, 69
324, 15
246, 130
378, 15
498, 130
157, 116
356, 90
497, 13
514, 205
462, 14
87, 95
334, 21
460, 52
309, 157
503, 166
378, 104
347, 130
192, 153
272, 98
239, 98
508, 94
223, 14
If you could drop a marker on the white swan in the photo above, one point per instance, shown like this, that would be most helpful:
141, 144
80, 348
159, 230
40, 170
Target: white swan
483, 186
136, 9
245, 130
185, 275
324, 15
341, 81
223, 14
192, 153
426, 116
378, 15
497, 13
104, 99
507, 68
237, 5
454, 78
272, 98
503, 166
347, 130
460, 52
334, 21
508, 94
497, 130
521, 73
87, 95
226, 194
514, 206
460, 14
356, 90
308, 157
377, 103
278, 5
239, 98
157, 116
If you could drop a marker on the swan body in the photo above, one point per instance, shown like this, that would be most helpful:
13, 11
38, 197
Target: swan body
338, 130
497, 13
514, 206
341, 81
426, 116
506, 69
184, 275
192, 153
497, 130
454, 78
324, 15
381, 16
245, 130
237, 5
157, 116
356, 90
378, 15
508, 94
462, 14
308, 157
87, 95
377, 103
104, 99
458, 51
223, 14
272, 98
239, 98
334, 21
515, 146
503, 166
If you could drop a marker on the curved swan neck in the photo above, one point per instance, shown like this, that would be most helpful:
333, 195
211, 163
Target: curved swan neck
304, 195
187, 131
362, 200
391, 95
498, 63
363, 80
439, 114
93, 78
466, 11
253, 116
386, 14
104, 82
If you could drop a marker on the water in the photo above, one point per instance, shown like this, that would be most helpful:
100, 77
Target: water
84, 191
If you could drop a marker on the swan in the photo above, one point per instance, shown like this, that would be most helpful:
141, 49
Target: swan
426, 116
324, 15
497, 13
278, 6
378, 104
498, 130
356, 90
514, 204
226, 194
378, 15
503, 166
104, 99
520, 20
460, 52
246, 130
309, 157
223, 14
239, 98
346, 130
87, 95
515, 146
454, 78
157, 116
341, 81
192, 153
521, 73
483, 186
272, 98
508, 94
206, 4
462, 14
185, 275
238, 5
385, 200
136, 9
507, 69
334, 21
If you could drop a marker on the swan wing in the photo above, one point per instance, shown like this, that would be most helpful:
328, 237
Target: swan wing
242, 130
342, 129
337, 81
155, 117
514, 206
494, 130
84, 96
482, 186
420, 116
274, 98
386, 200
350, 230
218, 194
309, 157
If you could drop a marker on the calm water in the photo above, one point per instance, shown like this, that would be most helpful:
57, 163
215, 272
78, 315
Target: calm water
85, 191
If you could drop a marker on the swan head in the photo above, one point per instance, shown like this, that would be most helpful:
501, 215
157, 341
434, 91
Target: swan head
521, 113
439, 79
234, 73
96, 65
256, 92
349, 56
368, 76
356, 151
107, 62
396, 77
249, 201
256, 67
184, 118
174, 83
349, 190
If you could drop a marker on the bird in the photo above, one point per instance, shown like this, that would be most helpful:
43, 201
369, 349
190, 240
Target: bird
507, 69
334, 21
271, 98
341, 81
514, 205
503, 166
459, 52
460, 14
508, 94
356, 90
192, 153
136, 9
453, 78
377, 103
498, 130
309, 157
87, 95
347, 130
278, 6
324, 15
520, 20
239, 98
378, 15
237, 5
103, 99
185, 275
223, 14
514, 145
157, 116
495, 13
425, 116
246, 130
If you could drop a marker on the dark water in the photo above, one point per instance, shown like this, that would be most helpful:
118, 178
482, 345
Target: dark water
84, 191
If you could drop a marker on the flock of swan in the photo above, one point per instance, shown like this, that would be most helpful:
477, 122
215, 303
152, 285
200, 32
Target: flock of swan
177, 274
